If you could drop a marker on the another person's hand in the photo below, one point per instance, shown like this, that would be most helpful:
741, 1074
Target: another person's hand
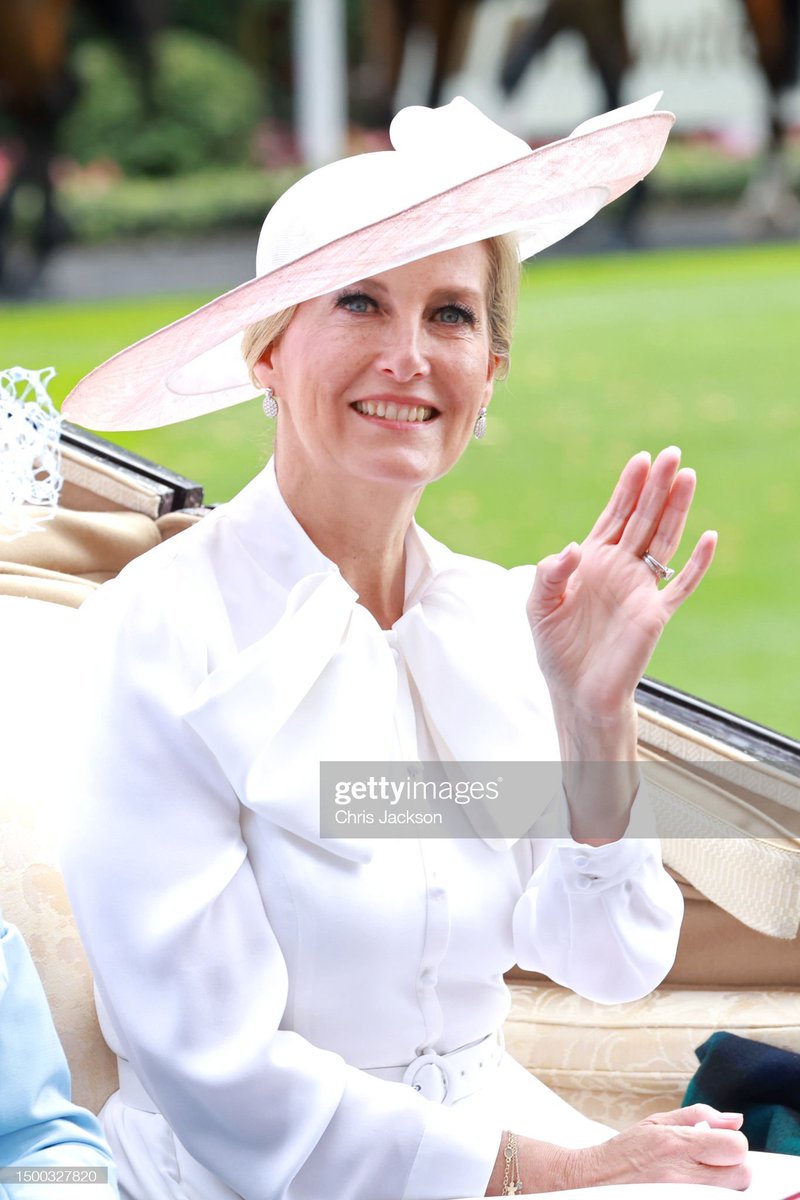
596, 610
689, 1145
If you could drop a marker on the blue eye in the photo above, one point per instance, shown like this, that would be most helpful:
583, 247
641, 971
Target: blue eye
456, 314
355, 302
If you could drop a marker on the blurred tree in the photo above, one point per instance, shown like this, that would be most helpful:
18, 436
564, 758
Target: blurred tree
37, 88
203, 108
262, 32
209, 17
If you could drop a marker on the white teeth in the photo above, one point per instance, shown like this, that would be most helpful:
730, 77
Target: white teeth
391, 412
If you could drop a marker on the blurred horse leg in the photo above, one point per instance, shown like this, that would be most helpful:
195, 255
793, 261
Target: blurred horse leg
768, 203
601, 25
536, 36
451, 20
35, 91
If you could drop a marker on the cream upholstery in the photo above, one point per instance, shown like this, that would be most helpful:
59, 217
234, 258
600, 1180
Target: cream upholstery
44, 576
619, 1063
33, 895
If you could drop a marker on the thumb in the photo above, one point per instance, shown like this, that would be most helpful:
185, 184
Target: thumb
552, 576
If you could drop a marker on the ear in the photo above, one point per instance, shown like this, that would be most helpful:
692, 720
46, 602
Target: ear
493, 366
264, 370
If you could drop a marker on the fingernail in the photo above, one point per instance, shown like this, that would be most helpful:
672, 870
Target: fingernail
730, 1116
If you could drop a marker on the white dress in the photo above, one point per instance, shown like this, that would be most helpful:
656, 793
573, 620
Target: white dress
252, 974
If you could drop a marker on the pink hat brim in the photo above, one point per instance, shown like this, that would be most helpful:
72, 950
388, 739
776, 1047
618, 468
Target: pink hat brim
541, 197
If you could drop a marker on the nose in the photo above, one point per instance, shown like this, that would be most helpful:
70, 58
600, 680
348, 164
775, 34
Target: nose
402, 354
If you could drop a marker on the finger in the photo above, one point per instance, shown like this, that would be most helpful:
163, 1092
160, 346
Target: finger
720, 1147
689, 578
641, 527
695, 1114
612, 520
549, 586
736, 1179
667, 537
712, 1117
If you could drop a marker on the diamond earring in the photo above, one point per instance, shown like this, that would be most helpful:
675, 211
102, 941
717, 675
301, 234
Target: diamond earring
269, 403
480, 424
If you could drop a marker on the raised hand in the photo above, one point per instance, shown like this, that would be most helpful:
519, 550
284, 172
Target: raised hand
597, 610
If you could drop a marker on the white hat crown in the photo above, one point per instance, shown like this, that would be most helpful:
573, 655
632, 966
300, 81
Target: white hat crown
435, 149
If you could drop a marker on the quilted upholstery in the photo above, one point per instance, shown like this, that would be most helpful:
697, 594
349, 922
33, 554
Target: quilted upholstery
619, 1063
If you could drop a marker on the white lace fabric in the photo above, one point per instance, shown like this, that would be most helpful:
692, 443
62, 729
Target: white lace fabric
30, 457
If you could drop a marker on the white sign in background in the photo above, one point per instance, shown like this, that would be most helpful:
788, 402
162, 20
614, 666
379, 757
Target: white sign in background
699, 52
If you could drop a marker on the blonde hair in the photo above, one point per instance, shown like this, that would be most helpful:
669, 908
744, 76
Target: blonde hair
259, 336
502, 287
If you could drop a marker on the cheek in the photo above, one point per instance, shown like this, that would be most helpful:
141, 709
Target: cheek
472, 372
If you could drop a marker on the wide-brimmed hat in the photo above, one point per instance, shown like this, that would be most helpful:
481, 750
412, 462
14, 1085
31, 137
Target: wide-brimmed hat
453, 177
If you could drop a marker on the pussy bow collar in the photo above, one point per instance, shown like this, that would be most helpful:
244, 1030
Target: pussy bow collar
320, 684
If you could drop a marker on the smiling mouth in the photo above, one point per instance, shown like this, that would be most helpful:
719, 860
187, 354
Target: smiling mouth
395, 412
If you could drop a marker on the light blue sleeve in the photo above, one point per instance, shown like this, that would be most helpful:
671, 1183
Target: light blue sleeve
39, 1125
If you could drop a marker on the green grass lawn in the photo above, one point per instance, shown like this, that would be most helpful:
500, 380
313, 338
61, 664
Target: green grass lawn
612, 355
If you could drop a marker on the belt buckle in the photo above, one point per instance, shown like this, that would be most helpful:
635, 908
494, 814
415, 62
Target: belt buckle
429, 1074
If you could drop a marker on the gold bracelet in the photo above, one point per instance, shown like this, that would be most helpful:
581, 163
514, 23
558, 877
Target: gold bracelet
512, 1184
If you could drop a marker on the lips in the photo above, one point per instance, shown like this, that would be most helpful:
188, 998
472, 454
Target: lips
390, 411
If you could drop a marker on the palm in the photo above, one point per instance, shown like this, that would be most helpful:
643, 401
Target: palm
597, 613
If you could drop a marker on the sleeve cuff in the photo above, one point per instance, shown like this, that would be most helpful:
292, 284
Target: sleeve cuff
455, 1153
586, 869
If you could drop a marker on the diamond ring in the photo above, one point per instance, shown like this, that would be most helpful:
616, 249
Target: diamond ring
658, 569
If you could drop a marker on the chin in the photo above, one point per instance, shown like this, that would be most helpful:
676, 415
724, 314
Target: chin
399, 470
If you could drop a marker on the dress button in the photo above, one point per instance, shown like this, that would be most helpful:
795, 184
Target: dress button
583, 883
581, 861
428, 977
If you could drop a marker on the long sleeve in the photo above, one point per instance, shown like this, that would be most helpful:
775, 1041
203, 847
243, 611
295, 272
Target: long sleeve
601, 920
190, 972
40, 1127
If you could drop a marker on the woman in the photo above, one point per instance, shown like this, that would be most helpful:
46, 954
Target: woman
296, 1015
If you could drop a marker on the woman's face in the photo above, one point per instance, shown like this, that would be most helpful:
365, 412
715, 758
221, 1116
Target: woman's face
382, 381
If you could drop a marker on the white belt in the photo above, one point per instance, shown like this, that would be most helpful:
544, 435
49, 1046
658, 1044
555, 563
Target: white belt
449, 1077
444, 1078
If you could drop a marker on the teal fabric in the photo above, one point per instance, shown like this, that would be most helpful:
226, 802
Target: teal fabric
761, 1081
39, 1124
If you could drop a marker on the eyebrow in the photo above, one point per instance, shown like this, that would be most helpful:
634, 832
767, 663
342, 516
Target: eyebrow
453, 291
